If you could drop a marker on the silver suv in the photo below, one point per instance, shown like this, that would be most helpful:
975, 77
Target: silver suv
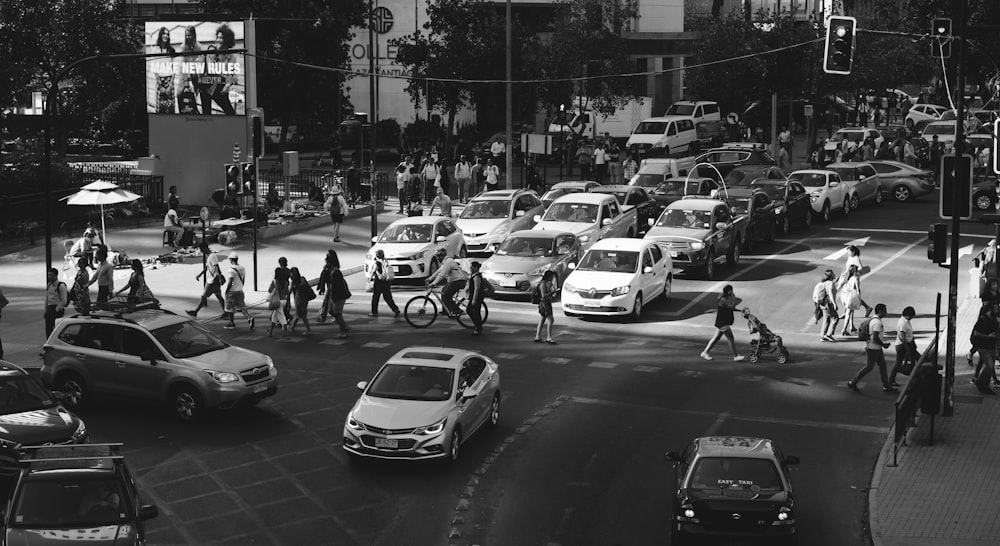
153, 355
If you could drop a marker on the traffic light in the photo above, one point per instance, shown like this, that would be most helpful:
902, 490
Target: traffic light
937, 249
233, 186
941, 38
956, 185
256, 133
994, 156
839, 54
249, 178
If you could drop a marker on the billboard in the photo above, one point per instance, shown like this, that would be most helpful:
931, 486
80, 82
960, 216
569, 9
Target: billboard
198, 75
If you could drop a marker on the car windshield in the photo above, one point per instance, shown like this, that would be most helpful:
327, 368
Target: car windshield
670, 187
406, 233
20, 393
735, 474
188, 339
693, 219
486, 209
618, 261
680, 110
773, 191
69, 502
846, 173
737, 178
526, 247
739, 205
942, 129
582, 213
809, 180
648, 180
650, 128
852, 136
408, 382
619, 195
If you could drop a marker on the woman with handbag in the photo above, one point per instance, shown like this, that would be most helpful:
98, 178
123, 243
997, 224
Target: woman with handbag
849, 291
81, 288
906, 346
277, 299
138, 292
303, 295
339, 293
854, 258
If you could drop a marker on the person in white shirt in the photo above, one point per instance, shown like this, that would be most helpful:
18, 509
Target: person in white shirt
235, 300
172, 223
463, 177
906, 347
499, 152
600, 162
402, 178
492, 175
874, 350
441, 201
454, 279
428, 175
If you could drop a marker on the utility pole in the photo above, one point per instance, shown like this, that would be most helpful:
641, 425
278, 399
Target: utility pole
510, 111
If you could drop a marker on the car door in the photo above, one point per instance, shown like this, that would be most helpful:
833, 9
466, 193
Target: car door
836, 190
797, 201
763, 211
97, 350
471, 376
525, 209
568, 250
140, 378
871, 180
651, 281
723, 238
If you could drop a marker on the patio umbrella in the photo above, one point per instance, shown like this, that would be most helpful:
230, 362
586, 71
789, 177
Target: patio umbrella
101, 193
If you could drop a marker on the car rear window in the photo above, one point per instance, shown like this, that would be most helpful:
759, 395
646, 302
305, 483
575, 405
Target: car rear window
735, 474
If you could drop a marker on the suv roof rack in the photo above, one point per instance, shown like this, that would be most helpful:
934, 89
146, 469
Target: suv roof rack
119, 314
89, 452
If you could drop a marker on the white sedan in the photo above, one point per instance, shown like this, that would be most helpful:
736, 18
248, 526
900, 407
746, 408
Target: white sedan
410, 244
491, 216
618, 277
423, 403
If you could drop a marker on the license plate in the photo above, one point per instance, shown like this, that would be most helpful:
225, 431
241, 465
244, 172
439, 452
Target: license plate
261, 387
591, 303
507, 282
386, 443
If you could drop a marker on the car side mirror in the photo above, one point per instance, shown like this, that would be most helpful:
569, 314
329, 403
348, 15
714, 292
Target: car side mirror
606, 222
148, 511
562, 251
571, 265
440, 239
537, 218
672, 456
374, 239
361, 385
647, 269
519, 213
720, 226
791, 459
650, 221
149, 356
834, 184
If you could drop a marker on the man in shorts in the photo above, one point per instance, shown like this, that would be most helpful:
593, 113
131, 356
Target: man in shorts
214, 279
234, 292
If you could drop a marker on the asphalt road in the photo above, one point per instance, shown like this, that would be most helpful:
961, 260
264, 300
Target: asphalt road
578, 456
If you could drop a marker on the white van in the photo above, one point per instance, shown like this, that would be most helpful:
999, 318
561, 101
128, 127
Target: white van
664, 136
654, 170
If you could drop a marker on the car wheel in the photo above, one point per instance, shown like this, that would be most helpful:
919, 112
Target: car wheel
74, 388
186, 404
495, 410
824, 213
710, 265
853, 204
786, 225
733, 258
749, 243
454, 444
463, 252
901, 193
807, 221
637, 307
983, 202
878, 196
668, 287
771, 233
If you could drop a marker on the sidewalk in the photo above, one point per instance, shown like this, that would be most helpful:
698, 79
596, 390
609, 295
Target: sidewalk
945, 494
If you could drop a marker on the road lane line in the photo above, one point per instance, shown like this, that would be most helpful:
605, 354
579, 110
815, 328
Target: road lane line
717, 424
760, 419
898, 253
907, 231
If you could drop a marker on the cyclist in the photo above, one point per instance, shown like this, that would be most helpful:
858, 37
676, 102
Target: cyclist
454, 279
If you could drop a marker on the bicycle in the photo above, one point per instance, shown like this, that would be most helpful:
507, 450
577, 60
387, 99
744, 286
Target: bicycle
422, 311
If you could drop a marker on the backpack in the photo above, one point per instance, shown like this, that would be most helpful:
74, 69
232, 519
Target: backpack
386, 273
819, 293
488, 290
536, 294
864, 330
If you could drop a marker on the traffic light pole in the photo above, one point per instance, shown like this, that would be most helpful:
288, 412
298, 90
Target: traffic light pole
948, 408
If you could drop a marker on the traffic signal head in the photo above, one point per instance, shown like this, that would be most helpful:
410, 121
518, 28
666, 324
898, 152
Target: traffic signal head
838, 56
941, 38
994, 156
249, 178
956, 186
257, 135
937, 248
233, 179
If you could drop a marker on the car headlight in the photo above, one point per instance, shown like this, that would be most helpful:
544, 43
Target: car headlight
779, 210
697, 245
81, 431
568, 287
419, 255
369, 257
539, 270
223, 377
813, 197
270, 366
584, 238
621, 290
431, 430
353, 423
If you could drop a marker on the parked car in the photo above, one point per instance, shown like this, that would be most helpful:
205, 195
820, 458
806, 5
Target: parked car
618, 277
862, 179
756, 208
76, 494
732, 487
984, 193
791, 202
487, 220
589, 216
748, 174
851, 134
944, 130
153, 355
654, 170
903, 182
411, 243
728, 157
423, 403
517, 266
664, 136
921, 112
674, 189
698, 231
826, 191
634, 197
560, 189
32, 415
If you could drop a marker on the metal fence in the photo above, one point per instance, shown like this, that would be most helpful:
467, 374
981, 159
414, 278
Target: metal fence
922, 391
300, 184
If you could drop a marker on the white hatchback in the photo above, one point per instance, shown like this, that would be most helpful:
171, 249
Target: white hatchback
410, 245
618, 277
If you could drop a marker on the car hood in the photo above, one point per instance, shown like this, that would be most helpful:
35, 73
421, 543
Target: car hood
481, 225
401, 250
575, 228
396, 414
644, 139
97, 536
230, 359
38, 427
516, 264
605, 280
676, 234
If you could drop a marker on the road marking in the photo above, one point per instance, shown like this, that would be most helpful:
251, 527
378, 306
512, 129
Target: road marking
750, 378
714, 427
892, 258
555, 360
691, 373
963, 251
602, 365
842, 252
724, 415
376, 345
647, 369
333, 342
906, 231
510, 356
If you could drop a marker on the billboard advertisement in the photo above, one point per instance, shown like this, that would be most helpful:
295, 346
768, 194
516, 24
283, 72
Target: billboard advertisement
198, 74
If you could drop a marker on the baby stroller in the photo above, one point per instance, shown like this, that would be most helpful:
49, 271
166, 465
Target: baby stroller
767, 341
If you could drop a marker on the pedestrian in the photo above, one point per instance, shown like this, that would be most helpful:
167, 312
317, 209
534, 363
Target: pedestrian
600, 162
402, 177
585, 160
909, 153
303, 294
492, 173
782, 157
478, 287
854, 258
214, 280
415, 189
428, 175
104, 277
441, 201
546, 293
499, 152
875, 351
863, 111
724, 318
381, 277
56, 300
323, 286
984, 340
785, 139
278, 294
463, 178
478, 177
282, 272
824, 300
138, 291
849, 292
877, 115
235, 300
353, 179
81, 288
338, 293
989, 295
868, 149
443, 180
337, 206
629, 167
906, 345
3, 303
614, 166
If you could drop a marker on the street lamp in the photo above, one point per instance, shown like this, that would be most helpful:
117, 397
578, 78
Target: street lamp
350, 124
